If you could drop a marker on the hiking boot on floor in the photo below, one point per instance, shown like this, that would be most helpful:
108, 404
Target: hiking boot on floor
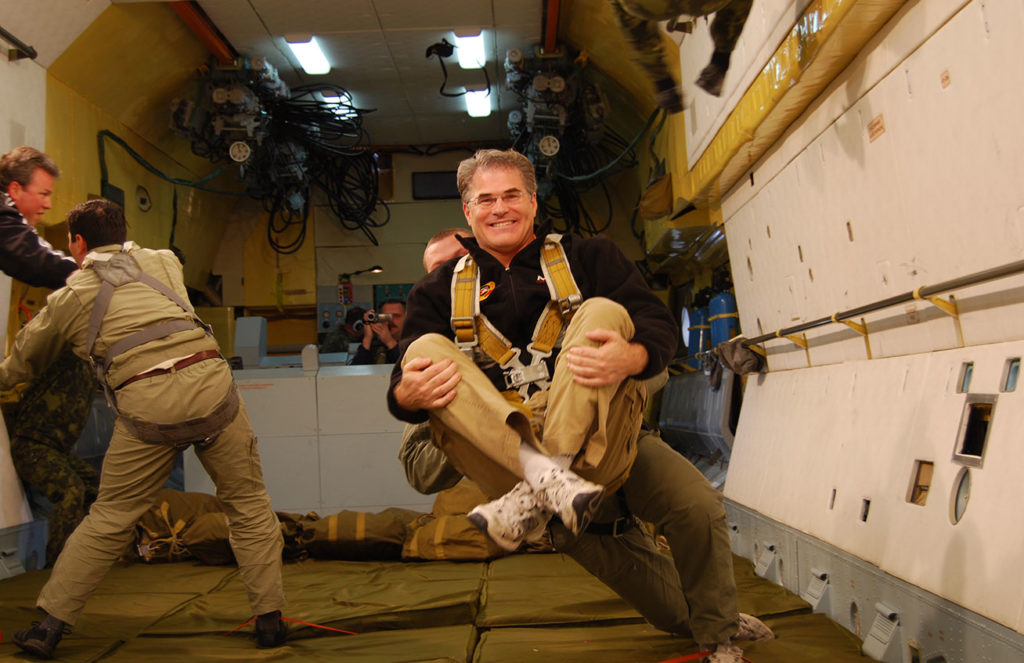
513, 518
270, 630
724, 654
40, 641
570, 497
753, 629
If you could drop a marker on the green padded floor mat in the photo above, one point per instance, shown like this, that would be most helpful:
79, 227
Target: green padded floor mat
524, 590
129, 599
540, 607
448, 644
761, 597
805, 638
357, 596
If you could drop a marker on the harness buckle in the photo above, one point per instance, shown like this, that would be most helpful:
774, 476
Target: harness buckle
517, 377
622, 525
465, 323
568, 305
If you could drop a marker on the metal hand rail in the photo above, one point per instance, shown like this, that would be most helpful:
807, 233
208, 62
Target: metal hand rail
21, 49
923, 292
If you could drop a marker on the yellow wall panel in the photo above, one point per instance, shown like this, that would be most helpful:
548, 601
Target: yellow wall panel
73, 123
272, 279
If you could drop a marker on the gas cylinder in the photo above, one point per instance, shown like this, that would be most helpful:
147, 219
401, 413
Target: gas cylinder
723, 318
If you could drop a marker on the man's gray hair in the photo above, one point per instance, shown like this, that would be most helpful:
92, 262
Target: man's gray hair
19, 164
488, 159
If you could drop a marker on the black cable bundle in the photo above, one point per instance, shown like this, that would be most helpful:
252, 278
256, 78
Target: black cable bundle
331, 133
351, 187
314, 137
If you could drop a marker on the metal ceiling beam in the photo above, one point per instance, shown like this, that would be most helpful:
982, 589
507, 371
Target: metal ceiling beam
207, 33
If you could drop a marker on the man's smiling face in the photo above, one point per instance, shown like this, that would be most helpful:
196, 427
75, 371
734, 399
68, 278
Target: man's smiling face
500, 212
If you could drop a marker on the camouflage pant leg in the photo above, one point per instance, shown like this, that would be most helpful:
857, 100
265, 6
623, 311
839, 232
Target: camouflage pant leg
53, 473
643, 35
90, 477
46, 424
728, 24
55, 406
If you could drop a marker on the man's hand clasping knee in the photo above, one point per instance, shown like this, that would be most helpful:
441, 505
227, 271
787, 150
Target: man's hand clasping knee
426, 385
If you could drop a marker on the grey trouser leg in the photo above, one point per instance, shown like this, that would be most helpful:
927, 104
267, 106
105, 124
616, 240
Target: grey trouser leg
665, 489
694, 592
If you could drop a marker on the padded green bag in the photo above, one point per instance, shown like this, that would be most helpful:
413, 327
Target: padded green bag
355, 535
161, 534
451, 538
459, 499
207, 539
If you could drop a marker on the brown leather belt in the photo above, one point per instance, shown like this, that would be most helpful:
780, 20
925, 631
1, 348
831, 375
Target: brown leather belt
187, 361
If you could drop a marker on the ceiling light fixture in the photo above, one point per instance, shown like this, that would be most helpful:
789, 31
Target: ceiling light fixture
342, 105
469, 46
307, 51
478, 102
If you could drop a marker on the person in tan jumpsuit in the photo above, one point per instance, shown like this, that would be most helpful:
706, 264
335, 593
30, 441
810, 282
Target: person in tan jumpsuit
170, 387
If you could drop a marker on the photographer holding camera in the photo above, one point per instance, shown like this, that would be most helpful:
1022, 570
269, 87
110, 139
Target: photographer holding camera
381, 333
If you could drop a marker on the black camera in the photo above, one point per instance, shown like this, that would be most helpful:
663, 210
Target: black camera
378, 317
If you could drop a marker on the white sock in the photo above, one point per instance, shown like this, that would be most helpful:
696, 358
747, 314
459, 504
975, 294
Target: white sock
535, 464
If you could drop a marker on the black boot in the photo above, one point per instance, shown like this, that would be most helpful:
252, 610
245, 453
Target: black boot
270, 630
42, 638
713, 75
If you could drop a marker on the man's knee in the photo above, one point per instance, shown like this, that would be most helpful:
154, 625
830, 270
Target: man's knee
603, 313
433, 346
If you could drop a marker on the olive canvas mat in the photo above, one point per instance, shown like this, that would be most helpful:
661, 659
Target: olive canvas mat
540, 607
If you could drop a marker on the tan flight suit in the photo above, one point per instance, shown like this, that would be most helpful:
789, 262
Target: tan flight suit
134, 470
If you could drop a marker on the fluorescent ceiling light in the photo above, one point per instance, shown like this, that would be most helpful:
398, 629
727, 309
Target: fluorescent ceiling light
470, 49
343, 105
309, 55
478, 103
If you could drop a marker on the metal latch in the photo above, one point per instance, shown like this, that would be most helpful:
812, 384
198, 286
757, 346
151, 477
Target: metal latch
517, 377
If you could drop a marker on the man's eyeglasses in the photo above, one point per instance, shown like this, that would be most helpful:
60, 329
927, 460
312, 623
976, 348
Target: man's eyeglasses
488, 200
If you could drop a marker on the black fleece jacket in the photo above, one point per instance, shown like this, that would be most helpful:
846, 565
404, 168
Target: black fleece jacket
520, 293
28, 257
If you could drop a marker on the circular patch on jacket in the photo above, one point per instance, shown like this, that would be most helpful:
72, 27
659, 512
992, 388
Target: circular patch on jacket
486, 290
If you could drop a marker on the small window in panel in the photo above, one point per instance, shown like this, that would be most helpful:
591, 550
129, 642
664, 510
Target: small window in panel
975, 422
1010, 374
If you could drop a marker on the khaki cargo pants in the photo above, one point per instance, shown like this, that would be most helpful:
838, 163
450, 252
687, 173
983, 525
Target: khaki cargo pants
133, 472
480, 430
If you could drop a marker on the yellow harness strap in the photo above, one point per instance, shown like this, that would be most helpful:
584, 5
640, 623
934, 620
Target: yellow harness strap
465, 298
472, 329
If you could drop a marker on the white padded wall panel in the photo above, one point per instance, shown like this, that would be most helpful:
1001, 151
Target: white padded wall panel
353, 399
280, 401
362, 473
929, 198
858, 428
766, 27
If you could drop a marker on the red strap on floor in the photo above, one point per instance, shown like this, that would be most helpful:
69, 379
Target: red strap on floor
237, 628
326, 628
696, 657
296, 621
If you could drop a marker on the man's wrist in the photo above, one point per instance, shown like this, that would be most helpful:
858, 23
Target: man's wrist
640, 357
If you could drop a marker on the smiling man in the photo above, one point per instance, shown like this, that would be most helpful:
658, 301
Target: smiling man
527, 357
